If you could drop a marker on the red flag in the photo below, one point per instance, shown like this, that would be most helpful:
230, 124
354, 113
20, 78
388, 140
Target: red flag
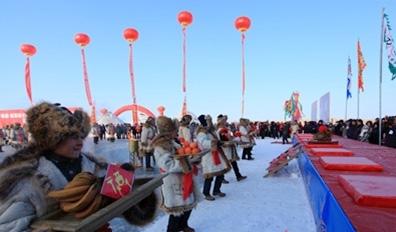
27, 80
361, 66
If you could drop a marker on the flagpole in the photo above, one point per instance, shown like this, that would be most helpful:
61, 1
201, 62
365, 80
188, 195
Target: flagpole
358, 93
346, 108
347, 88
358, 87
380, 79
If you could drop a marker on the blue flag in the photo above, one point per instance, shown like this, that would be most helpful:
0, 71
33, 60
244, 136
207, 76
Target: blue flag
349, 76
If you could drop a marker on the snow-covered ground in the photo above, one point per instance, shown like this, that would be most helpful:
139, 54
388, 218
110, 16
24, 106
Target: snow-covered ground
270, 204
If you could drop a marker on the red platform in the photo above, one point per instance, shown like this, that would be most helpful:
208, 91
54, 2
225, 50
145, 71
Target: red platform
349, 164
363, 218
323, 145
378, 191
331, 152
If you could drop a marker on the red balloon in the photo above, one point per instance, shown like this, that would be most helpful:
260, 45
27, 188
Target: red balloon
185, 18
131, 35
28, 49
82, 39
242, 23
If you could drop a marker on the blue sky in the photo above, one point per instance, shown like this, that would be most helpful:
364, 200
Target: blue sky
291, 45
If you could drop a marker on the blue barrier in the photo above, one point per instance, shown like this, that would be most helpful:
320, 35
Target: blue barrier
328, 214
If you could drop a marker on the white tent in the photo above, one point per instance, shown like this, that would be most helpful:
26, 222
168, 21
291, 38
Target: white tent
108, 117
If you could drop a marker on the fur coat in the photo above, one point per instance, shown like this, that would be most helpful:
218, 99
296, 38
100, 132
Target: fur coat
185, 133
148, 133
246, 138
172, 188
209, 168
24, 186
230, 150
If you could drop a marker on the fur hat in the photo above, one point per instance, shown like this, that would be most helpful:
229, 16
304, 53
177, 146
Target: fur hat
185, 120
202, 120
51, 124
244, 121
165, 125
221, 118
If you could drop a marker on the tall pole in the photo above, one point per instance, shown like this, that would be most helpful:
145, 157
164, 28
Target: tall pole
380, 79
358, 93
346, 109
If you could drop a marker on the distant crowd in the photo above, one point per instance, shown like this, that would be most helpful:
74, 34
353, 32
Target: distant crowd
17, 137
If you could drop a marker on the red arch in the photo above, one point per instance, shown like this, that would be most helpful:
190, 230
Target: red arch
141, 109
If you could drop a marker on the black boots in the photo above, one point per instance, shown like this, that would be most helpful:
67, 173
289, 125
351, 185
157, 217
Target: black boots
220, 194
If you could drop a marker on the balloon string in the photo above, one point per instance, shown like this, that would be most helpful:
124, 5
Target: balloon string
132, 76
86, 81
27, 80
243, 73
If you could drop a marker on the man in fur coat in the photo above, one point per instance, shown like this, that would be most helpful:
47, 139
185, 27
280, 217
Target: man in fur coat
178, 190
148, 133
184, 129
48, 163
246, 138
229, 148
214, 163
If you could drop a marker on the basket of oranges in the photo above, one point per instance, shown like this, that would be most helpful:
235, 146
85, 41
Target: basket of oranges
189, 149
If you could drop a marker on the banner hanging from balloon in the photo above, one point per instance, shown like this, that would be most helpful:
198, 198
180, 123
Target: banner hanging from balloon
185, 19
28, 50
242, 24
131, 35
83, 40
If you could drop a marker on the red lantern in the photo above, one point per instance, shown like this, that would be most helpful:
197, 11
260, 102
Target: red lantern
131, 35
161, 110
242, 23
185, 18
81, 39
28, 49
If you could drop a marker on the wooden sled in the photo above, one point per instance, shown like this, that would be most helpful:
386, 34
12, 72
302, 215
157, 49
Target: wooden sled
60, 221
283, 159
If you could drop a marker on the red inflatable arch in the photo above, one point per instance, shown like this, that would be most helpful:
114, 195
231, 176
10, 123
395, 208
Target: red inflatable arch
141, 109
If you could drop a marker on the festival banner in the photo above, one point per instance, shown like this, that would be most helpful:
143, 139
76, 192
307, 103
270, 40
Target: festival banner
325, 108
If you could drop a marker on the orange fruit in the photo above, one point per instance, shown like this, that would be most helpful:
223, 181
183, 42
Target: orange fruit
187, 150
195, 151
193, 145
186, 144
180, 151
182, 140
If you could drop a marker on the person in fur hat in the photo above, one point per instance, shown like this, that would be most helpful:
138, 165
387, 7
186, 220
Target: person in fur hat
148, 133
178, 190
246, 139
48, 163
184, 129
214, 163
224, 135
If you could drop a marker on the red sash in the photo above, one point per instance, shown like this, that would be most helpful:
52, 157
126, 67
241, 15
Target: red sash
188, 186
216, 157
